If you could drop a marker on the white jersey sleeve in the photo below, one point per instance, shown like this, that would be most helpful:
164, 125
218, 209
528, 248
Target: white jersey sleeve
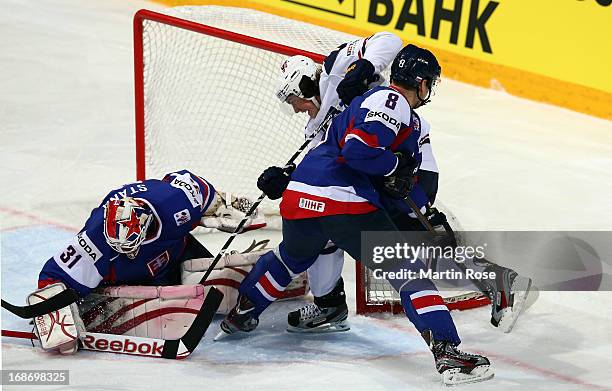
428, 162
380, 49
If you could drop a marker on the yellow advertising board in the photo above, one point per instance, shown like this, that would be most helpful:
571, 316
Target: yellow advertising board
555, 51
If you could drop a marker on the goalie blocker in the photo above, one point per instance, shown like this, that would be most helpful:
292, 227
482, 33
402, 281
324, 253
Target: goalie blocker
59, 329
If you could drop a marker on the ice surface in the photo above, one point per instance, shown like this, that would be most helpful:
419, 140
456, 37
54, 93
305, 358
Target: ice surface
66, 137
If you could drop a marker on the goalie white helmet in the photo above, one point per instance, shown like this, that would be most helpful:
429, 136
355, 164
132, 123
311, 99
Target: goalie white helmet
126, 222
299, 77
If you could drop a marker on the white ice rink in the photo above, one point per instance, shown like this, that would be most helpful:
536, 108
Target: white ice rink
66, 137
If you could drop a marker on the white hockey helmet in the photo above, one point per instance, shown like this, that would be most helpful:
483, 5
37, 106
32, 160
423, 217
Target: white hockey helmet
299, 77
126, 221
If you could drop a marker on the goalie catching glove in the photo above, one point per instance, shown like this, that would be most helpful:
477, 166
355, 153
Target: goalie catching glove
226, 212
57, 330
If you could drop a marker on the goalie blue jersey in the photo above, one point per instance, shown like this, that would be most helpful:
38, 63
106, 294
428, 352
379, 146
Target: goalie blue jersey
178, 203
344, 172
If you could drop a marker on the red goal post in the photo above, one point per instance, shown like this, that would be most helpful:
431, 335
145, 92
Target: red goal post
205, 80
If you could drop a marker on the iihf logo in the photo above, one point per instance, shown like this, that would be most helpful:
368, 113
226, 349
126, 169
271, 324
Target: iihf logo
313, 205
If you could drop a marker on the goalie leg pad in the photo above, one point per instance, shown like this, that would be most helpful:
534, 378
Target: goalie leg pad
229, 273
163, 312
58, 330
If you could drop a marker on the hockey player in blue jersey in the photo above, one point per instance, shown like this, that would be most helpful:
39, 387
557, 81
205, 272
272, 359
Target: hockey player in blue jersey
139, 235
311, 88
336, 192
308, 87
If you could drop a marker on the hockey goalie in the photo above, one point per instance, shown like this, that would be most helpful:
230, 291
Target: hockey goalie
136, 266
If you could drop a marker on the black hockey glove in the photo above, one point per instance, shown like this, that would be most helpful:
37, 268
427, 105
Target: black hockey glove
400, 182
445, 236
274, 180
428, 180
358, 75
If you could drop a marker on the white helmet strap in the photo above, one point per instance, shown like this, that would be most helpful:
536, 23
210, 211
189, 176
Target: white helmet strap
315, 101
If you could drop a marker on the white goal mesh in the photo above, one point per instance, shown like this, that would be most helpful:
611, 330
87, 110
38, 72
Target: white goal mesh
209, 103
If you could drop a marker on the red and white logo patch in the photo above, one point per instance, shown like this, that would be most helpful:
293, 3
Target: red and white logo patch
182, 217
158, 263
313, 205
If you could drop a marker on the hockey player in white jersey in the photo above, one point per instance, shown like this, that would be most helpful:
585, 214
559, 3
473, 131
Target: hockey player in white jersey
347, 72
313, 89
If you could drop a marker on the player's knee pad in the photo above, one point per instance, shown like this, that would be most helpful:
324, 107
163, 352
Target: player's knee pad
266, 282
425, 308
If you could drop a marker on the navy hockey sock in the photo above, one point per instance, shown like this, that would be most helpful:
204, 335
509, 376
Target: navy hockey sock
266, 282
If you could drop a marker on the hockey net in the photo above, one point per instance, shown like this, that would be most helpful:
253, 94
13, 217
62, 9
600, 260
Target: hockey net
205, 80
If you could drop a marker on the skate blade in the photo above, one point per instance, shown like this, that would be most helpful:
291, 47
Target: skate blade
453, 377
321, 329
221, 335
520, 287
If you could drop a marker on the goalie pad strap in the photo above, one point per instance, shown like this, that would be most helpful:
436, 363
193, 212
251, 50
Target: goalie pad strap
168, 292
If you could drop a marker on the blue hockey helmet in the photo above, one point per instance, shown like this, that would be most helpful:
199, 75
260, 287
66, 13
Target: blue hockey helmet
413, 65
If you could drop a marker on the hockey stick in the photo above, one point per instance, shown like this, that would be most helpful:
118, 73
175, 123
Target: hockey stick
148, 347
331, 114
417, 211
54, 303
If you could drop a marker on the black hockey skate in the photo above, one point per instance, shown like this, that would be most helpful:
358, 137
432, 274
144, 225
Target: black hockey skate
327, 314
314, 319
455, 366
508, 293
239, 319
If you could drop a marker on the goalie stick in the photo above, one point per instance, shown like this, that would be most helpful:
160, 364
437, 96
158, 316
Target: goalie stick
54, 303
331, 114
148, 347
